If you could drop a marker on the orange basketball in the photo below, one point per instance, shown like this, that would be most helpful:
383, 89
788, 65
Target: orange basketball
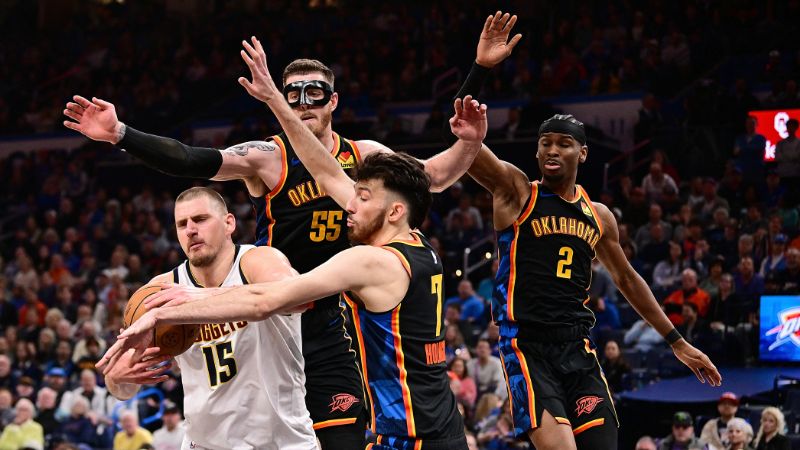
172, 339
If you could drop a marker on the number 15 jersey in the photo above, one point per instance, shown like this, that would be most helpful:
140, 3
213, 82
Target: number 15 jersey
545, 264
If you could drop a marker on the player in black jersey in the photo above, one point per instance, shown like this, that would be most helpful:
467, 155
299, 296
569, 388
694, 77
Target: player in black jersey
395, 283
548, 232
294, 215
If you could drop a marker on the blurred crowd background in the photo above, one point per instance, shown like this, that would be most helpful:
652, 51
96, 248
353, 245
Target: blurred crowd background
702, 218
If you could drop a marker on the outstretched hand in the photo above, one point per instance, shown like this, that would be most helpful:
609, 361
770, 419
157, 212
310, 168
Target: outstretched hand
138, 336
494, 46
262, 87
469, 121
96, 119
696, 360
147, 368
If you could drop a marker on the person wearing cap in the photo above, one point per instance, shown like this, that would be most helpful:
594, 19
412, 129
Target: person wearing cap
776, 261
682, 436
715, 430
170, 435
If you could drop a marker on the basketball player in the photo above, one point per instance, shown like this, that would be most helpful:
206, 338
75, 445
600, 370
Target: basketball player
394, 283
243, 381
548, 233
293, 214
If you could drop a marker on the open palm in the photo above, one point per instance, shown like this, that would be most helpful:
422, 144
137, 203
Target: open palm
494, 45
96, 119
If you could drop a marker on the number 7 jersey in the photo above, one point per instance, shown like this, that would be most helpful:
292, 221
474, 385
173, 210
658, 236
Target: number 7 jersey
545, 264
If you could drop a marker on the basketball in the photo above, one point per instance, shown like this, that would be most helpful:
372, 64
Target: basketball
172, 339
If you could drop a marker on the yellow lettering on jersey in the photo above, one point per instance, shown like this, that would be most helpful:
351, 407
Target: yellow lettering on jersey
293, 197
301, 191
562, 225
537, 227
545, 226
223, 330
241, 324
572, 225
212, 332
215, 331
580, 229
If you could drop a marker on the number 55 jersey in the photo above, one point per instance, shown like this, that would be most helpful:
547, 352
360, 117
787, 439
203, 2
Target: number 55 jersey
243, 382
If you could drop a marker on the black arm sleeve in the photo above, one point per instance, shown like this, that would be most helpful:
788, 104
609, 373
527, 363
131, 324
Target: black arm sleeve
170, 156
472, 86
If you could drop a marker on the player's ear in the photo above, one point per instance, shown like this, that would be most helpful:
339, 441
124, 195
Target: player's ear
230, 223
334, 101
584, 154
397, 210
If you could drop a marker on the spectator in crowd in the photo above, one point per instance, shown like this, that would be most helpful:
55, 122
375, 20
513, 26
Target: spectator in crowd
775, 261
602, 285
740, 435
486, 286
668, 272
487, 371
728, 309
132, 436
788, 279
465, 208
606, 315
614, 365
787, 156
454, 342
682, 436
170, 435
46, 417
7, 378
710, 284
467, 392
643, 337
746, 248
715, 431
24, 432
688, 293
636, 212
6, 407
748, 149
770, 434
710, 202
100, 403
500, 436
694, 329
748, 283
643, 234
656, 181
471, 306
79, 428
645, 443
90, 331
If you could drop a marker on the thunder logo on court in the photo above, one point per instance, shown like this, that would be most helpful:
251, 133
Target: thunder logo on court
779, 328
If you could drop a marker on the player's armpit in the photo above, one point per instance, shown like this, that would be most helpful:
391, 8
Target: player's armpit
265, 264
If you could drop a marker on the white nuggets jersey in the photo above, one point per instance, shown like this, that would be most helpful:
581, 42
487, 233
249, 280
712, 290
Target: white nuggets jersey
243, 383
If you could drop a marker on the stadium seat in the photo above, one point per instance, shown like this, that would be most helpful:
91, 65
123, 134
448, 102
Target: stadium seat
795, 438
670, 367
634, 357
627, 315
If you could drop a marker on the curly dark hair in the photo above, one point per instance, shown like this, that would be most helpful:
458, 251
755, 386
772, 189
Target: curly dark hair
403, 175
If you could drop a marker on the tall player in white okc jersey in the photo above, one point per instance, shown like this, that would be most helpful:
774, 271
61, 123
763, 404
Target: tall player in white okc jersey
244, 385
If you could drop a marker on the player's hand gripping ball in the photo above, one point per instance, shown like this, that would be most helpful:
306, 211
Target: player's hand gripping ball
172, 339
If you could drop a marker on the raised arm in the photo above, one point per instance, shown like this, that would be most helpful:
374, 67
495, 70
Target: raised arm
97, 120
319, 162
638, 294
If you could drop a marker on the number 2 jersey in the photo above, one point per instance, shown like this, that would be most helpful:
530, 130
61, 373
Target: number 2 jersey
243, 382
403, 356
545, 267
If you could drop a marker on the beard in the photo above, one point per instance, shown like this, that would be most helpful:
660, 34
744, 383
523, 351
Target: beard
361, 234
202, 259
553, 178
319, 128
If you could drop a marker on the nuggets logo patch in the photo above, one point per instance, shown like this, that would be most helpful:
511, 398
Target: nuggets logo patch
587, 404
346, 160
342, 402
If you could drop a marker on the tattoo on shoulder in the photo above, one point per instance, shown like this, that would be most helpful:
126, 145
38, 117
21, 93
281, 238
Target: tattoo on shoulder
244, 148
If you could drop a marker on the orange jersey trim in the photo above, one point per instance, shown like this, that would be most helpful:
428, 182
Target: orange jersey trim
334, 423
508, 386
414, 241
337, 143
602, 375
362, 356
400, 256
527, 375
562, 421
276, 189
512, 276
355, 150
587, 425
594, 211
401, 366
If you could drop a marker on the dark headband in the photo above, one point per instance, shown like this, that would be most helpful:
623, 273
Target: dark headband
563, 127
